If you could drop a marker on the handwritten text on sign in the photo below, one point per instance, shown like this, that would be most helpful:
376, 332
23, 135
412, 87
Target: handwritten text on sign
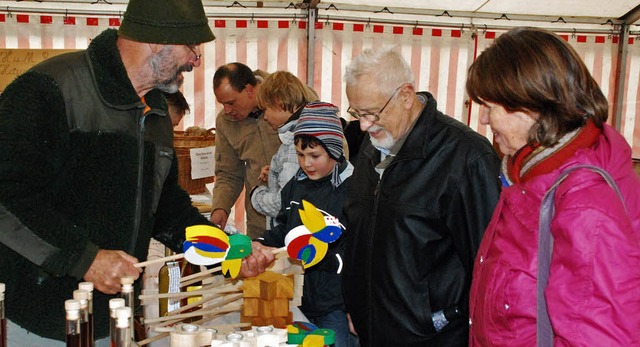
14, 62
202, 162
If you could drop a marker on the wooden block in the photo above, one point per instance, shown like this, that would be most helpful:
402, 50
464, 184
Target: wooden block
250, 307
280, 322
265, 308
251, 287
280, 307
274, 285
259, 321
284, 287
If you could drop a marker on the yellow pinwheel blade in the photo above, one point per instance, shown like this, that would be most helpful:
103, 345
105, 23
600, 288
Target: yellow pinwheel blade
321, 251
232, 267
195, 231
311, 217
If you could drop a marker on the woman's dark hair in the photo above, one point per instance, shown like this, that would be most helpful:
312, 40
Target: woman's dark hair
534, 70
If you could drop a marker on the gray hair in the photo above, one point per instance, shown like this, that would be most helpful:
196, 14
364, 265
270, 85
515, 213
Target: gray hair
386, 65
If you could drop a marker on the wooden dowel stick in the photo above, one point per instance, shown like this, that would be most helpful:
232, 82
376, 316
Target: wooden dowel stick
200, 274
160, 260
222, 289
200, 312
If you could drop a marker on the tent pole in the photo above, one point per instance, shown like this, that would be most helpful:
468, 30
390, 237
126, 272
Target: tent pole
620, 76
311, 40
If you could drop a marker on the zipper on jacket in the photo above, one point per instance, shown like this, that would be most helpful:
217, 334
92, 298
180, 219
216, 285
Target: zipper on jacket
138, 211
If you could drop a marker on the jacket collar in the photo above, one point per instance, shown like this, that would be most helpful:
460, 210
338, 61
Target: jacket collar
111, 77
416, 142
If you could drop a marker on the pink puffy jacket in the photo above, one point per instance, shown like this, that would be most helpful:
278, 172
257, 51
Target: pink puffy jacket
593, 294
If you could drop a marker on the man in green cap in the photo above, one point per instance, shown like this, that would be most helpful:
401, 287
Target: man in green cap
88, 173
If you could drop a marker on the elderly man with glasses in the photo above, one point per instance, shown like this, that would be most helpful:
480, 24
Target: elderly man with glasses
423, 192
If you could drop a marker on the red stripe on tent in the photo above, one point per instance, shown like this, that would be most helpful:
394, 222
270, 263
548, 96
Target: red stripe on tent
600, 39
263, 24
338, 26
398, 30
46, 19
69, 20
283, 24
582, 38
92, 21
358, 27
565, 37
3, 17
302, 25
436, 32
114, 22
241, 23
22, 18
220, 23
490, 35
456, 33
378, 29
417, 31
631, 40
615, 39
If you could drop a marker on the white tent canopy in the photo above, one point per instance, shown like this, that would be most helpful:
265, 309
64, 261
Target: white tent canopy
439, 37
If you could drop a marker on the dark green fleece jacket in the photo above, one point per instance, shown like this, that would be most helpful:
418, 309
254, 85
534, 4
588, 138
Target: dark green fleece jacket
83, 167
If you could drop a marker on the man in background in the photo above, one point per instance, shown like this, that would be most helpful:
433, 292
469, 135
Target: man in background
244, 144
88, 173
422, 194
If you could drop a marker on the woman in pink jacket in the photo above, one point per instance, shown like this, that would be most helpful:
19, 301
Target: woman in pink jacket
548, 114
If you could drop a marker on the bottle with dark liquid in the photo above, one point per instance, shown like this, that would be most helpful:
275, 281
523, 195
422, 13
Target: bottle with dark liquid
113, 305
74, 336
83, 297
88, 286
123, 331
3, 319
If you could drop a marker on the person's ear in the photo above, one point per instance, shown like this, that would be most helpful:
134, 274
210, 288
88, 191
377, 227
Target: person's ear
250, 90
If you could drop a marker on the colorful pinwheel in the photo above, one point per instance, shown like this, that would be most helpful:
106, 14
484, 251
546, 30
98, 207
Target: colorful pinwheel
208, 245
309, 242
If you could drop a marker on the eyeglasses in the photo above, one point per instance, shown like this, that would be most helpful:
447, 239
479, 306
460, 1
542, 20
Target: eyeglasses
193, 49
372, 117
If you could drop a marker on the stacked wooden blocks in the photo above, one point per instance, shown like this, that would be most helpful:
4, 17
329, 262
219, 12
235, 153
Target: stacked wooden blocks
266, 300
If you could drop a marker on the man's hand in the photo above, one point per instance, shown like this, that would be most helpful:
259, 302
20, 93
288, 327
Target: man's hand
107, 269
351, 328
219, 217
264, 173
256, 263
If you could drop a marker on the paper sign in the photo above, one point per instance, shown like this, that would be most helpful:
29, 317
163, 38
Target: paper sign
203, 162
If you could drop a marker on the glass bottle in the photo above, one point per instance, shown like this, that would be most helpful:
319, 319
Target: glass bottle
169, 277
123, 330
88, 286
3, 319
83, 297
113, 305
127, 294
168, 282
74, 335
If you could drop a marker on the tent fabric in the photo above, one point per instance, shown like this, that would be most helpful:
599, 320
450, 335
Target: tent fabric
439, 57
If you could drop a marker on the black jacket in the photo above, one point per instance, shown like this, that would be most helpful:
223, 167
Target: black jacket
322, 290
414, 233
83, 167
